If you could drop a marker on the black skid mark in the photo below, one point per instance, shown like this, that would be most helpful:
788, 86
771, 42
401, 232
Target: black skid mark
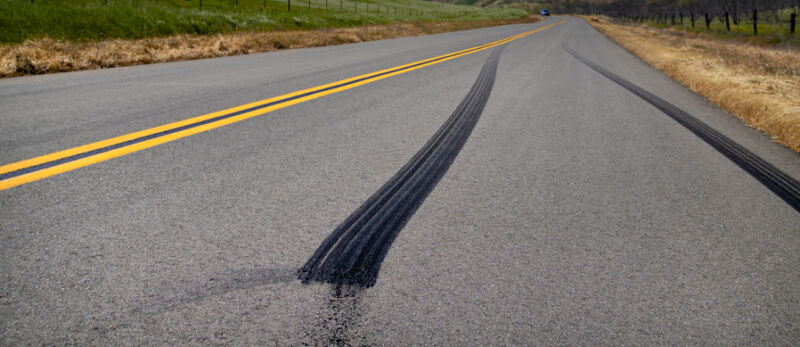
353, 253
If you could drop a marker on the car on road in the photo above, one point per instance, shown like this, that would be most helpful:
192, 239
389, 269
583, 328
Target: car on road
545, 12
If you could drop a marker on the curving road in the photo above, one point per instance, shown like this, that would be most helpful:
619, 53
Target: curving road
521, 192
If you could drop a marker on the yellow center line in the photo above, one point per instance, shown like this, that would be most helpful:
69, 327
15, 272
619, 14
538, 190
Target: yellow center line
89, 160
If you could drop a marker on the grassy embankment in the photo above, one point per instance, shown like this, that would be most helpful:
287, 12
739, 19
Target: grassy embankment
64, 35
757, 83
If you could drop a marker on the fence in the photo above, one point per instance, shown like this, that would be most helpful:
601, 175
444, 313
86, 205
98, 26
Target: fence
357, 6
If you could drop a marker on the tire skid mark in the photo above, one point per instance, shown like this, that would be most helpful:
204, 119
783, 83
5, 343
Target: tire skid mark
353, 252
339, 320
781, 184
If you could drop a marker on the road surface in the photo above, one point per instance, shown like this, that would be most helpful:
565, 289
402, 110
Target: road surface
566, 210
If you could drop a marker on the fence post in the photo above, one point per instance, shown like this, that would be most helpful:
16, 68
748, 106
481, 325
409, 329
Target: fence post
288, 5
727, 22
792, 19
708, 21
755, 22
309, 4
201, 4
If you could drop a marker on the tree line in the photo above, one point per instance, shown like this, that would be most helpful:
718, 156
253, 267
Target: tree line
738, 10
675, 11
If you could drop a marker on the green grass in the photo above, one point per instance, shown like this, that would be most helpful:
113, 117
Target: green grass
90, 20
769, 31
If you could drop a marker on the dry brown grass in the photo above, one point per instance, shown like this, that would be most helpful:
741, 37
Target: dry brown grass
48, 56
758, 84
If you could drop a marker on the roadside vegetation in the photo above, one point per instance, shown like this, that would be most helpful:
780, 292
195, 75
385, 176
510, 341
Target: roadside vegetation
758, 21
729, 19
96, 20
758, 83
774, 27
46, 36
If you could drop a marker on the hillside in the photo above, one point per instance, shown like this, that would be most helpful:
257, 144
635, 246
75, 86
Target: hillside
94, 20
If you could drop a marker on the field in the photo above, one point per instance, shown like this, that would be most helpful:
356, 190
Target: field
96, 20
773, 28
759, 84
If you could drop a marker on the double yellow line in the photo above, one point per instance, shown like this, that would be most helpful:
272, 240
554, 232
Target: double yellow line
33, 169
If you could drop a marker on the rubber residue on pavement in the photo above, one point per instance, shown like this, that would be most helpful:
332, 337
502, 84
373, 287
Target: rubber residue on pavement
353, 253
783, 185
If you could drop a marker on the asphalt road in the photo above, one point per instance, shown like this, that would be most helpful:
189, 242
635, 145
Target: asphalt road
575, 213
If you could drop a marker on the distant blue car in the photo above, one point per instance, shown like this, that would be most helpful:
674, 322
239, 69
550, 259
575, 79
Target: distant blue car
545, 12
